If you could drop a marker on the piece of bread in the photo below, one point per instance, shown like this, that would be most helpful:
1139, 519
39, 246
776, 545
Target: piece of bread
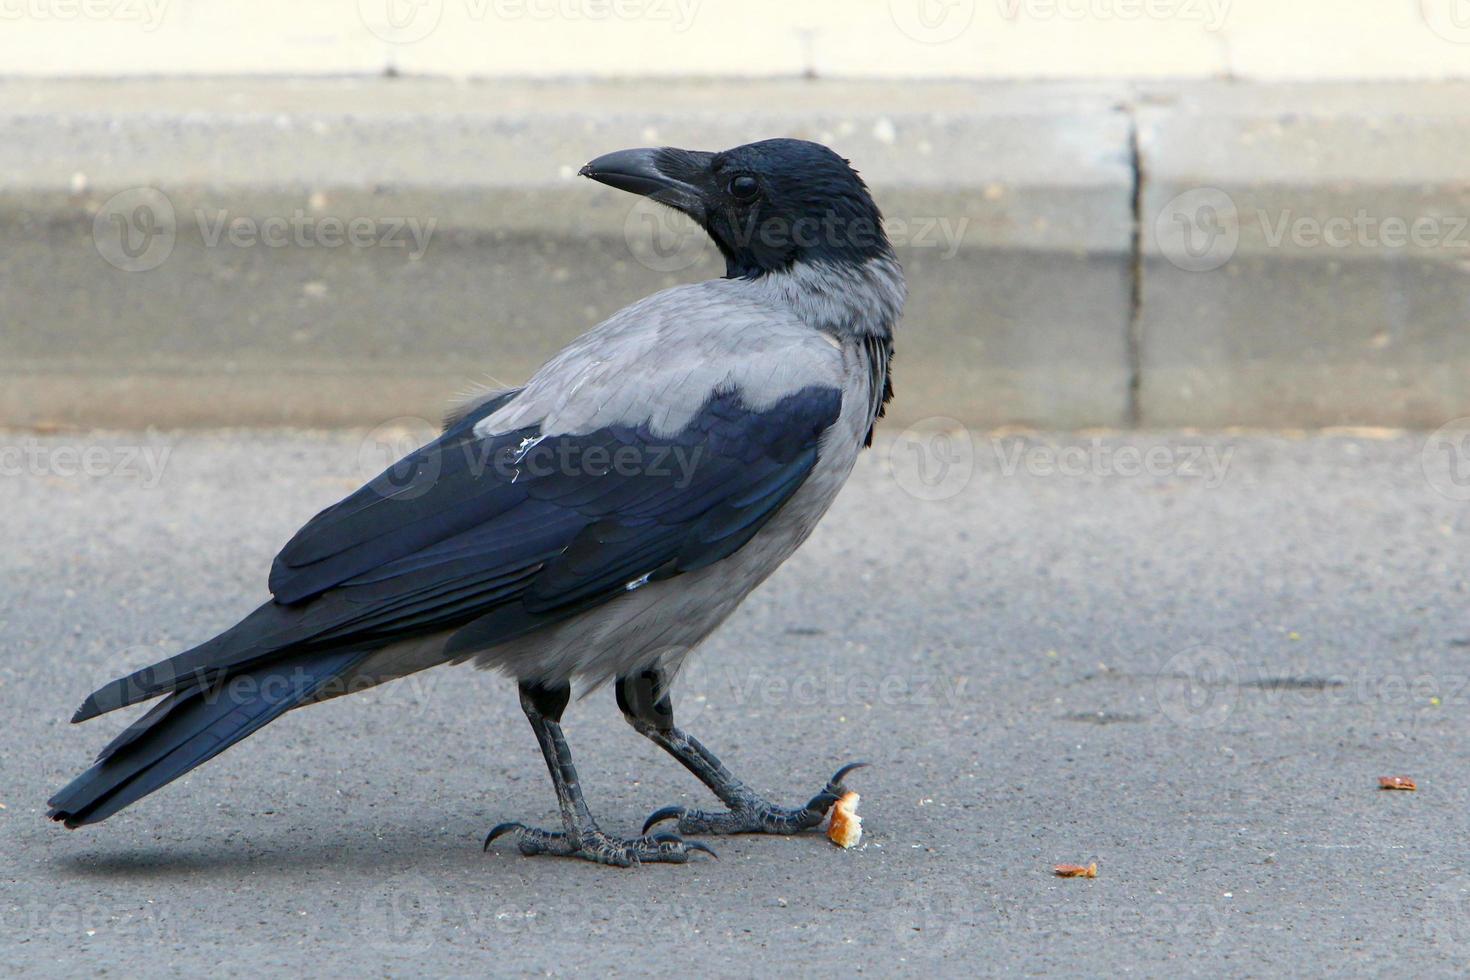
1076, 870
847, 827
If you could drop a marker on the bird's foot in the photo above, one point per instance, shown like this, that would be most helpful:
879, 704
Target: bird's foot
753, 815
602, 848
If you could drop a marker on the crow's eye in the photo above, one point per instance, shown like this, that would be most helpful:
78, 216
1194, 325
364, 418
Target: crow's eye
744, 188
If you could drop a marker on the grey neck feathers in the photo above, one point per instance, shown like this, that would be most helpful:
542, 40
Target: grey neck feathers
857, 301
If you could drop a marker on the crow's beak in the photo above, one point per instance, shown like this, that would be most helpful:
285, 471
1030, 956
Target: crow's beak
669, 176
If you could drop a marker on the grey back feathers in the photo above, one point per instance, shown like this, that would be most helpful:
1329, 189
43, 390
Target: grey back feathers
660, 359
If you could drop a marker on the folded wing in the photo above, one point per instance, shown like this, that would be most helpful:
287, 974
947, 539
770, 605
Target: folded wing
496, 536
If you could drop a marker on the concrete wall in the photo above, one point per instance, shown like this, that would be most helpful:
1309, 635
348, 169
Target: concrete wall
339, 251
1253, 39
1306, 257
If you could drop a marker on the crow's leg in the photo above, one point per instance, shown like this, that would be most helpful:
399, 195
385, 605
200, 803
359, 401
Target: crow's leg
582, 837
646, 706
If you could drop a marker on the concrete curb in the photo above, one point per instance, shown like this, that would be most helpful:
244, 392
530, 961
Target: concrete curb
1306, 256
346, 252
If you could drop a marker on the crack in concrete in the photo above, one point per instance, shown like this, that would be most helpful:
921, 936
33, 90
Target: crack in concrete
1134, 411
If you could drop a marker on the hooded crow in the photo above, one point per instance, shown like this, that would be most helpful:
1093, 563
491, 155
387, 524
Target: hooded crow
594, 525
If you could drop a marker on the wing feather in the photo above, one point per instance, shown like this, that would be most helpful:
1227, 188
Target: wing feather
496, 536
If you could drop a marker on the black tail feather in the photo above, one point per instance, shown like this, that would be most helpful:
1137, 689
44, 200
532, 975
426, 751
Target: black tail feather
264, 632
191, 726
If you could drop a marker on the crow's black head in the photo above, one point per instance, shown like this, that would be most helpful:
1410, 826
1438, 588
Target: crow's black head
767, 205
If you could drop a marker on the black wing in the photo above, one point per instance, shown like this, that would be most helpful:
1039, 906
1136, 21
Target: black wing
498, 537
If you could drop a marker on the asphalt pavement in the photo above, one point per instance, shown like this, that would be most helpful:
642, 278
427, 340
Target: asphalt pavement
1186, 658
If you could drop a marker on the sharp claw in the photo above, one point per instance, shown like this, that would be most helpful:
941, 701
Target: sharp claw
823, 801
667, 813
688, 845
500, 829
695, 845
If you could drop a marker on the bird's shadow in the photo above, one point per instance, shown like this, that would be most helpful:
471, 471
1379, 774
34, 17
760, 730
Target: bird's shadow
283, 855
